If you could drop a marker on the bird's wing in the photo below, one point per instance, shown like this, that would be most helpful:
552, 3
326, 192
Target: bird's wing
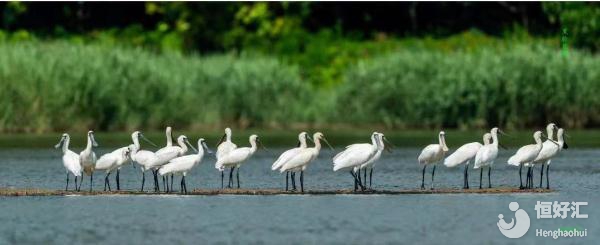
462, 154
427, 153
521, 156
183, 163
224, 148
549, 150
354, 156
144, 157
71, 163
167, 155
349, 149
302, 158
106, 161
284, 157
236, 156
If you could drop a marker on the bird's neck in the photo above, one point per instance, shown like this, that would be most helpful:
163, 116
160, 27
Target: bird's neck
136, 143
183, 146
495, 139
317, 144
65, 146
88, 147
253, 146
550, 133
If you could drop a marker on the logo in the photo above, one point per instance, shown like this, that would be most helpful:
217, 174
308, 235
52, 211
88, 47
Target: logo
517, 226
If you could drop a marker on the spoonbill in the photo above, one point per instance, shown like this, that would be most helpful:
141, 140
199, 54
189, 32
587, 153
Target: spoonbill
235, 158
356, 155
111, 161
143, 157
369, 165
465, 154
183, 164
432, 154
225, 145
70, 159
287, 155
169, 136
548, 148
527, 154
560, 134
299, 162
486, 156
164, 155
87, 158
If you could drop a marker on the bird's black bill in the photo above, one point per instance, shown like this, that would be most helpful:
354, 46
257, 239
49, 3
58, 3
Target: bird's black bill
191, 146
221, 140
147, 140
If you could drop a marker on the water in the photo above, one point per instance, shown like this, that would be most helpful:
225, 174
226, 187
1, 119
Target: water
436, 218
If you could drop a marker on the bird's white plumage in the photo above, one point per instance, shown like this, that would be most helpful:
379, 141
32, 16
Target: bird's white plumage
87, 157
226, 146
463, 154
164, 155
528, 153
289, 154
70, 159
142, 157
113, 160
237, 156
183, 164
300, 161
371, 162
355, 155
433, 153
489, 152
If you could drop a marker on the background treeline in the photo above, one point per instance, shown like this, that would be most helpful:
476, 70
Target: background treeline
118, 66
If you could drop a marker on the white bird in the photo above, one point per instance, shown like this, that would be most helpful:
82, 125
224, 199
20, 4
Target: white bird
356, 155
111, 161
169, 136
486, 156
164, 155
369, 165
70, 159
465, 154
300, 161
225, 145
432, 154
235, 158
287, 155
527, 154
87, 158
545, 157
143, 157
183, 164
544, 152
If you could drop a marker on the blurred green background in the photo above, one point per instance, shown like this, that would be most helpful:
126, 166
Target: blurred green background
302, 65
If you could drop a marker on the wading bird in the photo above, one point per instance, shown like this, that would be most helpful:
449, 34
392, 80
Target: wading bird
562, 144
370, 165
169, 136
143, 157
356, 155
235, 158
70, 160
87, 158
289, 154
111, 161
183, 164
299, 162
486, 156
464, 155
432, 154
547, 149
164, 155
527, 154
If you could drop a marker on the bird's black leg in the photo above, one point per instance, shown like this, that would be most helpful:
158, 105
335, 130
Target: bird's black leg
489, 176
293, 175
105, 179
432, 174
165, 184
117, 180
91, 181
229, 184
172, 182
365, 177
287, 178
423, 180
547, 177
67, 187
108, 182
370, 178
184, 185
76, 183
222, 177
542, 175
181, 189
302, 181
359, 178
80, 183
480, 176
238, 177
355, 180
143, 180
520, 177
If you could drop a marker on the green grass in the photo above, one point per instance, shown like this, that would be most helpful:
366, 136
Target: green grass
58, 86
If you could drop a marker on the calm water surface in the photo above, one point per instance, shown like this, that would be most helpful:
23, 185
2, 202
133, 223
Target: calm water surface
348, 219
